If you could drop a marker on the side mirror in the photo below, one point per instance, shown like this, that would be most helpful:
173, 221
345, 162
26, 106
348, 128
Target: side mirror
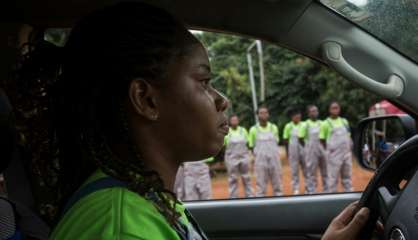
377, 137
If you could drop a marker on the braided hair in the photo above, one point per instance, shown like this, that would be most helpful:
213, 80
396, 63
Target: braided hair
88, 112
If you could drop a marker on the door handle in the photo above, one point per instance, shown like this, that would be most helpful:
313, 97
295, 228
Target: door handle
332, 53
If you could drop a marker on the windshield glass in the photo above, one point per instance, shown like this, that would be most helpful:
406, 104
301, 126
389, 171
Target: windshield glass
392, 21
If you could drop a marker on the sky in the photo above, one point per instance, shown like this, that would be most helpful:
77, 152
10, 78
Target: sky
196, 31
359, 3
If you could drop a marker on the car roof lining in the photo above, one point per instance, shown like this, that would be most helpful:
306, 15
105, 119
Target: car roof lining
232, 16
300, 25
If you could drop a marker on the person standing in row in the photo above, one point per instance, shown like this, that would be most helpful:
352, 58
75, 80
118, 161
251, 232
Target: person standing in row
294, 149
237, 158
263, 139
197, 182
314, 152
336, 139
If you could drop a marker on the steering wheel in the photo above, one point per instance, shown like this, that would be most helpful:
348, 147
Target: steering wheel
392, 195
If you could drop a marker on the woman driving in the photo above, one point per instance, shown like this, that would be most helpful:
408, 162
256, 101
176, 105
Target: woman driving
133, 101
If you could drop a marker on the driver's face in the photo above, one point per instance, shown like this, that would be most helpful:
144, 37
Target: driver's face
189, 102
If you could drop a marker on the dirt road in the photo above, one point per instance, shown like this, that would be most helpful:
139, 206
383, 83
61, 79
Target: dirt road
220, 182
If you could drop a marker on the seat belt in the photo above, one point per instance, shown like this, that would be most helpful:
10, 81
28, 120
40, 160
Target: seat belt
99, 184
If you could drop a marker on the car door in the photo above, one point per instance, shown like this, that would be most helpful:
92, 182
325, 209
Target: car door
292, 217
306, 217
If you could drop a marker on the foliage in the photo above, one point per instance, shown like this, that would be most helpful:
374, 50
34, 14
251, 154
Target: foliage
293, 81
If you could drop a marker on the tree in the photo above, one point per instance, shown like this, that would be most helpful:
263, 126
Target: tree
292, 81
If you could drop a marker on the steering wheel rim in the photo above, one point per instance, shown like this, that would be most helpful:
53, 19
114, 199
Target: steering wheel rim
392, 204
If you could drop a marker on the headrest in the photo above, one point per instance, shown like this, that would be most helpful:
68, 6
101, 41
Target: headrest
7, 220
7, 132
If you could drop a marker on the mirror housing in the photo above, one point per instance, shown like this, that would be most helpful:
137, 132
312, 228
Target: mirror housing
377, 137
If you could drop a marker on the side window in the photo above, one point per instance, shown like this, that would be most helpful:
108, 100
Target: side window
282, 140
269, 153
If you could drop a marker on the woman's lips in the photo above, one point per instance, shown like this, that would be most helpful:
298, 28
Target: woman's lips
224, 128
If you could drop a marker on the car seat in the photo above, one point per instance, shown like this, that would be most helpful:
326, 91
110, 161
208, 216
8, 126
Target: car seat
17, 221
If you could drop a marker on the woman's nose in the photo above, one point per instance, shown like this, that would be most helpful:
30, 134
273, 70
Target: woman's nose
222, 102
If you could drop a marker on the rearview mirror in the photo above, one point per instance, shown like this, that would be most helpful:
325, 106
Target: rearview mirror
378, 137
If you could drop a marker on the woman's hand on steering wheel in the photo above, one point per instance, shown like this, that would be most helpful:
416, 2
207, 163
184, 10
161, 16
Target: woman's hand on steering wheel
348, 224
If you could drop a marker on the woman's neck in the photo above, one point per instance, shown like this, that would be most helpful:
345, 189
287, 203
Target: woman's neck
165, 166
156, 156
153, 158
154, 152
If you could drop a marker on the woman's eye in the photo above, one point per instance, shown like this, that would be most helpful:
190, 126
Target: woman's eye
206, 83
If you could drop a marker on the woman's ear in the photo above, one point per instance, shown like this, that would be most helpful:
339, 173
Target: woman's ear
143, 98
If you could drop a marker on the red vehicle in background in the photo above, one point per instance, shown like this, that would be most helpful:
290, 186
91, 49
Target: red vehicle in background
384, 108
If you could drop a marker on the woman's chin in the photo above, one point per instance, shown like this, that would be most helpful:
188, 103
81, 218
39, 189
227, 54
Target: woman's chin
215, 148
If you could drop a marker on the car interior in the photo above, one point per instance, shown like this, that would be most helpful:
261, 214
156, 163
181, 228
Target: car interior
307, 27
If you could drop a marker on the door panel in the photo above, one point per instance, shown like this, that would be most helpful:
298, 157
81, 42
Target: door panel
297, 217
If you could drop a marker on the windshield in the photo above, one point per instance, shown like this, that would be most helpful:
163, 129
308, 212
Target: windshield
392, 21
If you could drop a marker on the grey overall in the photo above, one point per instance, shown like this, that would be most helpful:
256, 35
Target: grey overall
267, 164
296, 159
238, 164
197, 183
179, 183
339, 159
315, 157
